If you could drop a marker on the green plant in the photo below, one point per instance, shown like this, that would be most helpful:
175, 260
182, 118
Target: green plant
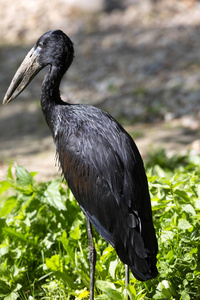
44, 247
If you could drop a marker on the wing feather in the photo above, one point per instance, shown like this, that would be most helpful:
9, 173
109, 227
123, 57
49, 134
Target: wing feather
105, 172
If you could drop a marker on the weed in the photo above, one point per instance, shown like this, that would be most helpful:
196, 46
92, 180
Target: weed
44, 247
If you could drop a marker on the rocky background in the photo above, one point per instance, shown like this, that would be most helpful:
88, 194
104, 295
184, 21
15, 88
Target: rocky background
138, 60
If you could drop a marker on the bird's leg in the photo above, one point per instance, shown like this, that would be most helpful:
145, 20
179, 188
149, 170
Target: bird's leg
127, 278
92, 258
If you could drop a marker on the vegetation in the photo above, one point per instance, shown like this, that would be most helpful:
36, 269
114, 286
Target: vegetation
43, 238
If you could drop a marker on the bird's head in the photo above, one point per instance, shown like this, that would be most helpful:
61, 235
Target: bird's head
53, 48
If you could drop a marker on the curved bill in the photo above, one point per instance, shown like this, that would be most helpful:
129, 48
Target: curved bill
26, 72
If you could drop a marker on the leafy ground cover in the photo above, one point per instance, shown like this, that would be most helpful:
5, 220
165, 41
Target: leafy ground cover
43, 238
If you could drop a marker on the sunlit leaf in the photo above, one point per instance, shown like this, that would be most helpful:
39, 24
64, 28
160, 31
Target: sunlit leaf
166, 235
23, 177
33, 174
53, 196
8, 206
109, 289
134, 294
103, 285
167, 289
181, 194
54, 263
197, 204
184, 224
113, 294
161, 173
185, 295
112, 268
4, 185
4, 249
75, 231
189, 209
12, 296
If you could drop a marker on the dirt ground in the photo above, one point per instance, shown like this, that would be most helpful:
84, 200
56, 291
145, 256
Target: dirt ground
138, 61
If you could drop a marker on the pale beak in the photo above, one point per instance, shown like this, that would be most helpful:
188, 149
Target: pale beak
26, 72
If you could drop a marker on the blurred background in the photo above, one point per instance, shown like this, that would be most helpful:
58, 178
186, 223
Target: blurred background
138, 60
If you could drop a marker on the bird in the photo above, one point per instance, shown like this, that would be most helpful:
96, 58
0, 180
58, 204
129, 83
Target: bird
99, 160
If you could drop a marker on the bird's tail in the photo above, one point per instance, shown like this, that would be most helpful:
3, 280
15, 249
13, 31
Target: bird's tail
144, 268
139, 256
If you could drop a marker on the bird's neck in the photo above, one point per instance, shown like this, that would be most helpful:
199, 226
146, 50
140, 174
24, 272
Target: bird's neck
50, 88
50, 97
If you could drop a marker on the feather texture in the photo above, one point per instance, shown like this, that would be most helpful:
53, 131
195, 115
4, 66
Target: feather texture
105, 172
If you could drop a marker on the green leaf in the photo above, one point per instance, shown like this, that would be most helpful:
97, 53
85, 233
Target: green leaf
185, 296
103, 285
5, 291
12, 296
32, 233
197, 204
9, 173
182, 194
112, 268
70, 251
4, 185
54, 263
11, 232
109, 289
113, 294
184, 224
4, 288
134, 294
189, 209
165, 288
4, 249
131, 292
170, 255
189, 276
53, 196
75, 230
23, 177
160, 172
8, 206
166, 235
33, 174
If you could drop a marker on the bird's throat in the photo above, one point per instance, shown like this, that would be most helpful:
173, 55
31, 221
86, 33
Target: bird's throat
50, 96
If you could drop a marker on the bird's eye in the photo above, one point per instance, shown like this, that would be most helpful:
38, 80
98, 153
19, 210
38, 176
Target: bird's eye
40, 44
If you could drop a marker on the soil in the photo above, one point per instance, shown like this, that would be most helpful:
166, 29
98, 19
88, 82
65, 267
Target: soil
139, 61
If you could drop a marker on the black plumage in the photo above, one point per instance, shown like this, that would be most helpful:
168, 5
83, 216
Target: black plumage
99, 159
104, 170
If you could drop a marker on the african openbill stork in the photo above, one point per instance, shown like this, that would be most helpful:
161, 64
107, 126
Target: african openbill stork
99, 160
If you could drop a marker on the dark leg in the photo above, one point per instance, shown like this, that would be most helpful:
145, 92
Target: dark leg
127, 278
92, 258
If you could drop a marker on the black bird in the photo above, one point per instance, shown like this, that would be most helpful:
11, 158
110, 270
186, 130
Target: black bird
99, 160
